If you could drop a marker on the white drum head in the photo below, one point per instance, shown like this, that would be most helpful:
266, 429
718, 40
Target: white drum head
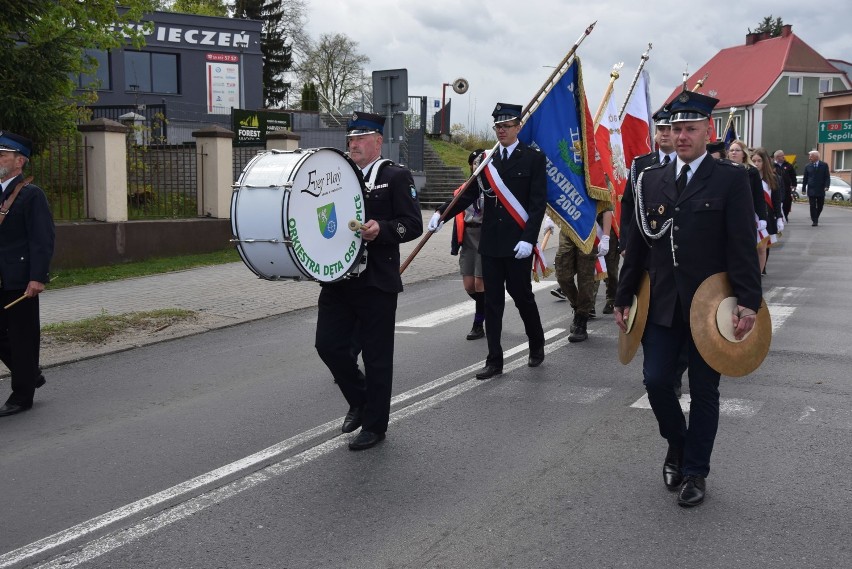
324, 196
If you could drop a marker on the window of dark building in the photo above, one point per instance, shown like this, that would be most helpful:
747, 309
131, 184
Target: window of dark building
100, 78
151, 72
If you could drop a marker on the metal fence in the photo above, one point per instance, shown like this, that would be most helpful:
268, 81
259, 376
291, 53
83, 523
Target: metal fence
243, 155
60, 170
161, 181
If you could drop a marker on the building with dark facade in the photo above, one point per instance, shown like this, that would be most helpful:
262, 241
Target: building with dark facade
191, 72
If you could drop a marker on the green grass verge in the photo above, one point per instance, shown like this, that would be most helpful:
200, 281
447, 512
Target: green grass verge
64, 278
101, 328
451, 154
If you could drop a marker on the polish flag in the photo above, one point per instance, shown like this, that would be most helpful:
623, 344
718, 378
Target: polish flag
636, 121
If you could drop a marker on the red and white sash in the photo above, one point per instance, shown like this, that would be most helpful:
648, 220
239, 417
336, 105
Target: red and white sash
518, 213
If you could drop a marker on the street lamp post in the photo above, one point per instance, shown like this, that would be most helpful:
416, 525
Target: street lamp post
443, 106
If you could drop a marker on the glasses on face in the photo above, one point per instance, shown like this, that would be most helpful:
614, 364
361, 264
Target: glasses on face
497, 127
734, 149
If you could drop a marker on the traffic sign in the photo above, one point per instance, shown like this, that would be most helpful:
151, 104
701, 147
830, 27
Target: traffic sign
835, 131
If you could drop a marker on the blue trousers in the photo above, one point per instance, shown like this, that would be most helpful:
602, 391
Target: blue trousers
662, 347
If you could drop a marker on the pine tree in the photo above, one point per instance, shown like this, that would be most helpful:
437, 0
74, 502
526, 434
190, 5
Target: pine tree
275, 41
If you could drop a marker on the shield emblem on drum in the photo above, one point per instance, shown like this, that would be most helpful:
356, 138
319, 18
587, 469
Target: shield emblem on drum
327, 218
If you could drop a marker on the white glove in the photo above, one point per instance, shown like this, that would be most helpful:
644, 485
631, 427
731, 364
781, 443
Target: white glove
548, 224
780, 222
603, 246
435, 223
761, 225
523, 250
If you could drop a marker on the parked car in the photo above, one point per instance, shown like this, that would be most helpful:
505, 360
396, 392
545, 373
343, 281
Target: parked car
837, 191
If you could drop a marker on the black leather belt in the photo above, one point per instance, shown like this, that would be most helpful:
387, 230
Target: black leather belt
472, 224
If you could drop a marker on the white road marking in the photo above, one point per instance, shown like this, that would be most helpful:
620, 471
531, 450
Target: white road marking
455, 311
561, 393
727, 407
778, 314
195, 504
783, 294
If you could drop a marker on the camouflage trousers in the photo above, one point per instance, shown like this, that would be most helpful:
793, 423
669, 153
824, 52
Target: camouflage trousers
570, 264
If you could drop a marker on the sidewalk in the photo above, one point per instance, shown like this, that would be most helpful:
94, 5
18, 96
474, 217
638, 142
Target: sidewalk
222, 295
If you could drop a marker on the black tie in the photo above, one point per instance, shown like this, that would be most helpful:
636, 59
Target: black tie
667, 159
681, 180
505, 155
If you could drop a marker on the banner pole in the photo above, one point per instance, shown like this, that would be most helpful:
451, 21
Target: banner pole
552, 80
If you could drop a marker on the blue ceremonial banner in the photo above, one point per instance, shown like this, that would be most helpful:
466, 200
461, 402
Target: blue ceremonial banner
561, 127
730, 135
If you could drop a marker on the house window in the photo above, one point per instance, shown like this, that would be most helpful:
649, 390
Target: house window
100, 77
825, 85
718, 124
147, 72
842, 160
794, 87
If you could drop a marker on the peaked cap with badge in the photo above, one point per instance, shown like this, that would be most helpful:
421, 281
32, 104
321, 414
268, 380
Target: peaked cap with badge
363, 123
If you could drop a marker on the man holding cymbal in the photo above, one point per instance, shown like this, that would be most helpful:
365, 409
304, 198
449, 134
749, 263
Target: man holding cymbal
695, 220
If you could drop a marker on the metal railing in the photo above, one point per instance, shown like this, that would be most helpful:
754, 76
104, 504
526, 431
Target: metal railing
60, 170
161, 181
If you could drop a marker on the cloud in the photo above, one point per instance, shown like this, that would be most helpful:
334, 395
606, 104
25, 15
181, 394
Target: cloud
506, 49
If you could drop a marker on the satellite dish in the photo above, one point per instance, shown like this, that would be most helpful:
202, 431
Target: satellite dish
460, 86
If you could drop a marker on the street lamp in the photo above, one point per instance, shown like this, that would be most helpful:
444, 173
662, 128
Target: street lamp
460, 86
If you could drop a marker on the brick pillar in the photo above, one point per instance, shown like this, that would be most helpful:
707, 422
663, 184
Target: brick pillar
215, 148
282, 140
106, 162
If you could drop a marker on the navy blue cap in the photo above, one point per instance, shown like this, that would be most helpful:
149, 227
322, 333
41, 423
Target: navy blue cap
662, 116
365, 123
716, 146
504, 112
689, 106
15, 143
474, 155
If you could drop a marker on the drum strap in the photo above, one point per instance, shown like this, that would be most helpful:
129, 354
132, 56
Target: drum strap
374, 172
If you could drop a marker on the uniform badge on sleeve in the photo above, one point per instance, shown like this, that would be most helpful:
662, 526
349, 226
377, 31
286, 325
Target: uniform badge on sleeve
413, 191
400, 229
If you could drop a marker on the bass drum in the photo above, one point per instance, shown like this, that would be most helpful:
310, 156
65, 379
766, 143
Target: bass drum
290, 213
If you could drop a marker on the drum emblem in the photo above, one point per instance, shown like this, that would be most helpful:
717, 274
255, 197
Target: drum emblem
327, 218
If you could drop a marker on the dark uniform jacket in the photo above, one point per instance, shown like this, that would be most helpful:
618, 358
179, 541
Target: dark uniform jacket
628, 214
525, 175
393, 204
816, 179
26, 238
714, 231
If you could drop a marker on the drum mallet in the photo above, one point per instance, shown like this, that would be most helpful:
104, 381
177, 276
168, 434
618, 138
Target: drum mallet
355, 225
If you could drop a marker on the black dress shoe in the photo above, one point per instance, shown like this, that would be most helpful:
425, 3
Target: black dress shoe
476, 332
365, 440
672, 476
40, 381
692, 491
536, 357
609, 307
13, 409
352, 420
489, 371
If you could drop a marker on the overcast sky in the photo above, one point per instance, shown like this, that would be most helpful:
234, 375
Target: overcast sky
506, 48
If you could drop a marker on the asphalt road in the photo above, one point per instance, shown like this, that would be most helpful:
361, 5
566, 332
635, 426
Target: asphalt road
223, 449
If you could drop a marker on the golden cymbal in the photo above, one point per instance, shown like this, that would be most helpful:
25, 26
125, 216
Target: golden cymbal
628, 342
713, 330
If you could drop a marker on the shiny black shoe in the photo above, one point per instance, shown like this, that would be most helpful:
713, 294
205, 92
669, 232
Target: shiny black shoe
609, 307
9, 408
476, 332
489, 371
365, 440
536, 357
40, 381
672, 476
352, 420
692, 491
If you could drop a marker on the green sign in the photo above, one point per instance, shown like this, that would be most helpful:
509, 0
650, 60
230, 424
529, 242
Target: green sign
835, 131
253, 126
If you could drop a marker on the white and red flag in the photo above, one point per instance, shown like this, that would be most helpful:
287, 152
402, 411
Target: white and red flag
636, 121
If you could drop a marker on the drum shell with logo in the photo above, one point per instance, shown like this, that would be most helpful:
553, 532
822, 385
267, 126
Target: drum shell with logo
289, 215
